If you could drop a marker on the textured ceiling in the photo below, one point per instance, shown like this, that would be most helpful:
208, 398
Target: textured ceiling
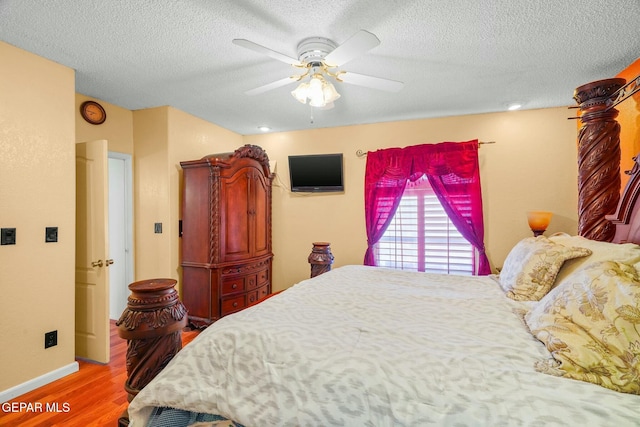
454, 56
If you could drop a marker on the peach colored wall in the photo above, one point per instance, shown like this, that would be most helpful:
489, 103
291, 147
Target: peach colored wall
629, 120
532, 166
151, 196
37, 190
164, 137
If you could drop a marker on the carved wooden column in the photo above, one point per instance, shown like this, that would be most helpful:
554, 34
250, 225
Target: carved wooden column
598, 159
320, 258
152, 324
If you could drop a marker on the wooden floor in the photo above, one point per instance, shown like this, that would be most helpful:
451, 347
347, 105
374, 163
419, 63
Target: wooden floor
93, 396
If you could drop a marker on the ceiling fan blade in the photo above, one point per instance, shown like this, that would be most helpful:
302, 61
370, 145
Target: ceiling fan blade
358, 44
272, 85
266, 51
370, 81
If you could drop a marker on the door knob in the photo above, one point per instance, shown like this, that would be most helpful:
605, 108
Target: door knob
108, 262
97, 263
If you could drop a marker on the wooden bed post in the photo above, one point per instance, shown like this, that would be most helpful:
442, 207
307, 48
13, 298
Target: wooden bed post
320, 258
152, 324
598, 159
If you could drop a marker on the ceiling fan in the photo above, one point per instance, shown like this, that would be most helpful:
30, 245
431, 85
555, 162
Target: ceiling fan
320, 57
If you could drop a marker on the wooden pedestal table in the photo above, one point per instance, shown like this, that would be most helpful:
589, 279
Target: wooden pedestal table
152, 324
320, 258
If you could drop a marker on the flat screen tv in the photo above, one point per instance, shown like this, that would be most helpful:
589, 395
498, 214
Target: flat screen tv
316, 173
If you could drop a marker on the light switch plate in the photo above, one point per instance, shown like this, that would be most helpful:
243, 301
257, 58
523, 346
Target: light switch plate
51, 234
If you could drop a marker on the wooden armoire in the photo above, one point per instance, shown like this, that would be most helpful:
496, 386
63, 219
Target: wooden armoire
226, 233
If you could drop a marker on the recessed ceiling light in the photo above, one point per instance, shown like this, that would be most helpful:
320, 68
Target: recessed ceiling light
264, 128
512, 107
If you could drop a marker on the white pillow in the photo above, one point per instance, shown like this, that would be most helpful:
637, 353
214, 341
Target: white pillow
626, 253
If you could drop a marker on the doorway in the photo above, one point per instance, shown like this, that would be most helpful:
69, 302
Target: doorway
120, 232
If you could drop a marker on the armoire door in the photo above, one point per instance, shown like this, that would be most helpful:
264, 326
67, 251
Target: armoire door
237, 215
260, 200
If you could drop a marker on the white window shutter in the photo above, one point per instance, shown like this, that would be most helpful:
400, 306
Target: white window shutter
421, 237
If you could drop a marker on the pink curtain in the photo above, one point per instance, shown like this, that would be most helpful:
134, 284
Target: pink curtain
454, 174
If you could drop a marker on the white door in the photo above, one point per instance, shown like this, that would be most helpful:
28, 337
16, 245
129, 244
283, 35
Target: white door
92, 256
120, 232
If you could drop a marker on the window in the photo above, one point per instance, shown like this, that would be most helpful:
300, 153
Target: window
421, 237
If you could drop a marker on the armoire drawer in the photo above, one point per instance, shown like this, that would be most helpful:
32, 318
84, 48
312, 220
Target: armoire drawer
252, 298
233, 285
251, 282
233, 304
263, 291
263, 277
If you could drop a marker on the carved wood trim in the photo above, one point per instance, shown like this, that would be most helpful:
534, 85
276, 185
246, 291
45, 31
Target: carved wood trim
253, 152
630, 196
146, 358
214, 218
246, 268
153, 309
155, 319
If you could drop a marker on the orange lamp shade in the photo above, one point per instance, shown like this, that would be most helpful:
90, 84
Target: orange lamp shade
538, 221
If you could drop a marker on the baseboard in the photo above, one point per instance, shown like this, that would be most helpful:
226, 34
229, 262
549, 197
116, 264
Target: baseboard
33, 384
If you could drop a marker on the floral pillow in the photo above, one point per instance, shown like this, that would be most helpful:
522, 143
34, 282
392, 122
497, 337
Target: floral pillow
591, 326
532, 265
627, 253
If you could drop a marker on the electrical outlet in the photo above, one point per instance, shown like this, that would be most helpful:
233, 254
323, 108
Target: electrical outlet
7, 236
50, 339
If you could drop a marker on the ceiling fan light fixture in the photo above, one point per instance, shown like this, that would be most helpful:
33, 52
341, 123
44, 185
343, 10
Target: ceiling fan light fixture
330, 93
318, 91
300, 93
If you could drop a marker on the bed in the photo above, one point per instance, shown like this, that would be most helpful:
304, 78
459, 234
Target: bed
554, 340
370, 346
